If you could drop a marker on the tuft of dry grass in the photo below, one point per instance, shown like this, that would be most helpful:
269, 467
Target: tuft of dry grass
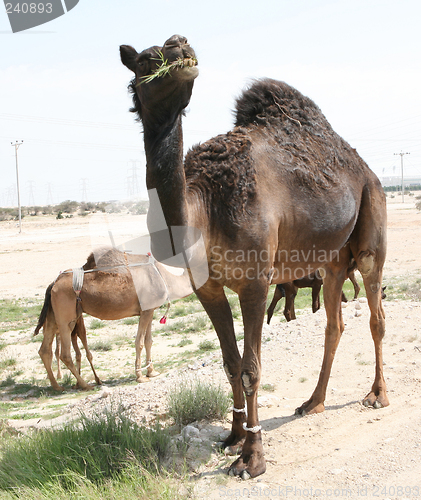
165, 67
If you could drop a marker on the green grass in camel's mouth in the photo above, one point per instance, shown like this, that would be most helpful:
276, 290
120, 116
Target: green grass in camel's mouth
165, 67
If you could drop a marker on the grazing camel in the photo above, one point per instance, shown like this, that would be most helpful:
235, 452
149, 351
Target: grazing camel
112, 288
289, 291
275, 199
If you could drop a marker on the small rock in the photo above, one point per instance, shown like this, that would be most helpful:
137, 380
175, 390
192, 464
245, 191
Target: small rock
357, 305
190, 432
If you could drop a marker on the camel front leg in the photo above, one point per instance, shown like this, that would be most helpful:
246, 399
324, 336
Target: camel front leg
145, 322
251, 462
332, 286
218, 309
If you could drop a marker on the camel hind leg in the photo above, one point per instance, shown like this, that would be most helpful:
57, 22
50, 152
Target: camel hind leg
368, 245
46, 349
65, 355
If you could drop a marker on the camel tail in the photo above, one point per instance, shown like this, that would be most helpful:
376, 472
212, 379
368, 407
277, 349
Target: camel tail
45, 308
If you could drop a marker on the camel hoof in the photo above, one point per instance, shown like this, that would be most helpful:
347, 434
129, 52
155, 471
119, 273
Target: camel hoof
141, 379
374, 401
245, 475
309, 409
153, 374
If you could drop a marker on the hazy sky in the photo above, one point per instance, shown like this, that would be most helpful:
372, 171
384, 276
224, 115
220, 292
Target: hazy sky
64, 89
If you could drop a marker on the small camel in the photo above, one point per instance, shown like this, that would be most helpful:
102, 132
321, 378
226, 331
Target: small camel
289, 291
111, 290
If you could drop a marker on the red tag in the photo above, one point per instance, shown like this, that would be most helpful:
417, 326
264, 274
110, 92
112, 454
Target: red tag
163, 320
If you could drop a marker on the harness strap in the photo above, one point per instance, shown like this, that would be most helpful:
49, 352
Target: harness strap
163, 320
78, 275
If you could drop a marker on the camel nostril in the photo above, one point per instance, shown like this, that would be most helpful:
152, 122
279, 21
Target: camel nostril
175, 41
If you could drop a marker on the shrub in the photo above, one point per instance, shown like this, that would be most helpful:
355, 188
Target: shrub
193, 400
96, 324
207, 345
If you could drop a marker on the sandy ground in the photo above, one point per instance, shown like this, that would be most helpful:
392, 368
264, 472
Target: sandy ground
348, 451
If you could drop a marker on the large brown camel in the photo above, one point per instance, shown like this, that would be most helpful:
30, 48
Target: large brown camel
289, 291
276, 198
113, 286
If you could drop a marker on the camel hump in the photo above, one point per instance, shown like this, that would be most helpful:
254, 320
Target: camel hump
271, 102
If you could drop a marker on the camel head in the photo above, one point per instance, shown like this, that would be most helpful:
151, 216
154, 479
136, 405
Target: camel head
164, 76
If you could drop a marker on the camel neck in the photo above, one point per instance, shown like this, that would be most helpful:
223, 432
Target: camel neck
165, 170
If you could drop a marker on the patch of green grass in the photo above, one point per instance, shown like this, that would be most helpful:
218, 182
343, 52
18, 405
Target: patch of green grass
267, 387
408, 287
134, 320
19, 311
96, 324
362, 362
101, 345
198, 323
2, 345
192, 400
207, 345
185, 341
8, 381
302, 380
7, 363
105, 457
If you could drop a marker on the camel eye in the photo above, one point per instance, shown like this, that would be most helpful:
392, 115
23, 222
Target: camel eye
143, 66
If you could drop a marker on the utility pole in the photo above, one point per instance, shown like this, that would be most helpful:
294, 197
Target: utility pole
84, 183
401, 154
16, 144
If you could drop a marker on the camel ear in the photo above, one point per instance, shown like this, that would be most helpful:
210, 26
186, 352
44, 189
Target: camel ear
128, 56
